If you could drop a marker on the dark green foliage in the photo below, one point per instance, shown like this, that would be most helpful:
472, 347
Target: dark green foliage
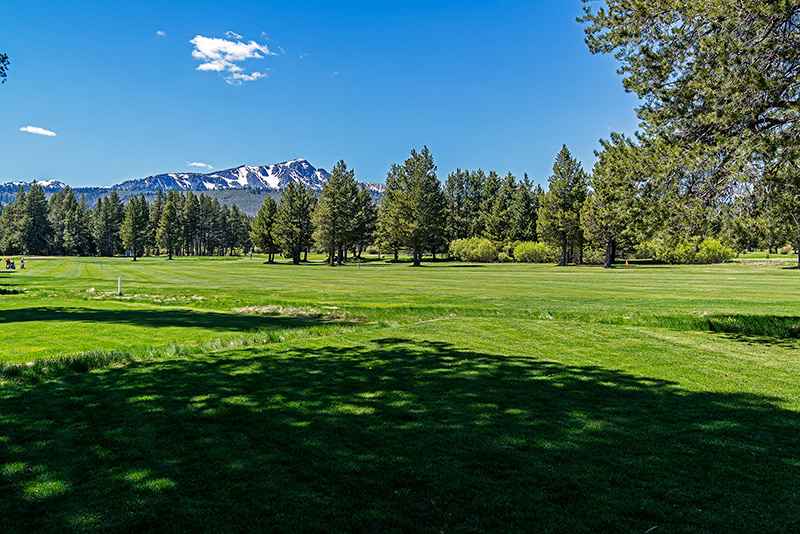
34, 226
335, 212
169, 228
523, 211
293, 229
613, 211
70, 224
415, 209
156, 209
389, 231
107, 221
364, 222
463, 192
497, 217
559, 213
134, 229
262, 231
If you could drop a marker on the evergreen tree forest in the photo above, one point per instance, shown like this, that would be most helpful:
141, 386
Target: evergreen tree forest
624, 208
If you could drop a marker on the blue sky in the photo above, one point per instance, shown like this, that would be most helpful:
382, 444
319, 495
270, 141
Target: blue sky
498, 85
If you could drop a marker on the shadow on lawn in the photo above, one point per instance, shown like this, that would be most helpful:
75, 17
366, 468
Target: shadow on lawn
779, 330
155, 318
391, 436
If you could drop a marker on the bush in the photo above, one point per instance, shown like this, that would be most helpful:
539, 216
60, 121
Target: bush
712, 251
474, 249
504, 258
708, 251
533, 252
786, 249
594, 256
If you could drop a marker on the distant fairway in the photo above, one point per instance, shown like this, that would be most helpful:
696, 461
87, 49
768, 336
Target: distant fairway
450, 397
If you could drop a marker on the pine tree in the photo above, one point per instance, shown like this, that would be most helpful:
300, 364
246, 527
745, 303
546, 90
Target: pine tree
421, 208
190, 216
559, 216
613, 210
76, 226
497, 218
458, 224
168, 234
11, 223
473, 201
335, 211
238, 227
522, 212
135, 225
262, 231
56, 216
107, 220
156, 210
389, 232
34, 226
364, 221
293, 229
491, 185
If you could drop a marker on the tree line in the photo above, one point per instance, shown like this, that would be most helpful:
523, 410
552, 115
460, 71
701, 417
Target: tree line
581, 217
172, 224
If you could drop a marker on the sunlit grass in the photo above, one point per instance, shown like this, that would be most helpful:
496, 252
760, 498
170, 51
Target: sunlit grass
223, 394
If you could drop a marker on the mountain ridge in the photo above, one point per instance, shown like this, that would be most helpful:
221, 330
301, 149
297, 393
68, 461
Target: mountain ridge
263, 178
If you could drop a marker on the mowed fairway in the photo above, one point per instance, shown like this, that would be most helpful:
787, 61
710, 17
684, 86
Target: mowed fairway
227, 395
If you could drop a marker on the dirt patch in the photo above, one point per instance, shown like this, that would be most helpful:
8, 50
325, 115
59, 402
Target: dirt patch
330, 313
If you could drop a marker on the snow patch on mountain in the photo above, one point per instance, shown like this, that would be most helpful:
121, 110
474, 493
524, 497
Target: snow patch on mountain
273, 177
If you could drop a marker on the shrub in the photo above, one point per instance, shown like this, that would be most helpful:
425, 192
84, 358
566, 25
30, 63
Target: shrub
504, 258
712, 251
594, 256
533, 252
474, 249
708, 251
786, 249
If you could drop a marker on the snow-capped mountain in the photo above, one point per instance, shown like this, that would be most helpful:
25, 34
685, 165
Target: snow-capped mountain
244, 186
264, 178
49, 186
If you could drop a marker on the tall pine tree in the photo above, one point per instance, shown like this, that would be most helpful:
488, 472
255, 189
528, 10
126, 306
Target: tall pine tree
134, 226
293, 229
262, 231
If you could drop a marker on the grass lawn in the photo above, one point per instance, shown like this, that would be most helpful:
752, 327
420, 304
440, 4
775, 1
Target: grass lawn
227, 395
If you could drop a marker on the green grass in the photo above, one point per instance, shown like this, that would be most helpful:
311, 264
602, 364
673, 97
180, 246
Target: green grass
380, 398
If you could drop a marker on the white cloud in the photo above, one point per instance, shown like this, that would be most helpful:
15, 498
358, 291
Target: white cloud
222, 55
37, 131
161, 33
200, 165
233, 35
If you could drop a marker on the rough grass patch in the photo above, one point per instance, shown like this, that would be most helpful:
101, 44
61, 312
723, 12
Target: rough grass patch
330, 313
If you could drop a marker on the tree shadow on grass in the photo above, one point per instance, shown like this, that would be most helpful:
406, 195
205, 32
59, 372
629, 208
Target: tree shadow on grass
155, 318
391, 436
776, 330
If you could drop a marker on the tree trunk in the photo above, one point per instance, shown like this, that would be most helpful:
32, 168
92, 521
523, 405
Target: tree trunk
296, 256
305, 255
563, 261
396, 255
611, 252
417, 258
332, 256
